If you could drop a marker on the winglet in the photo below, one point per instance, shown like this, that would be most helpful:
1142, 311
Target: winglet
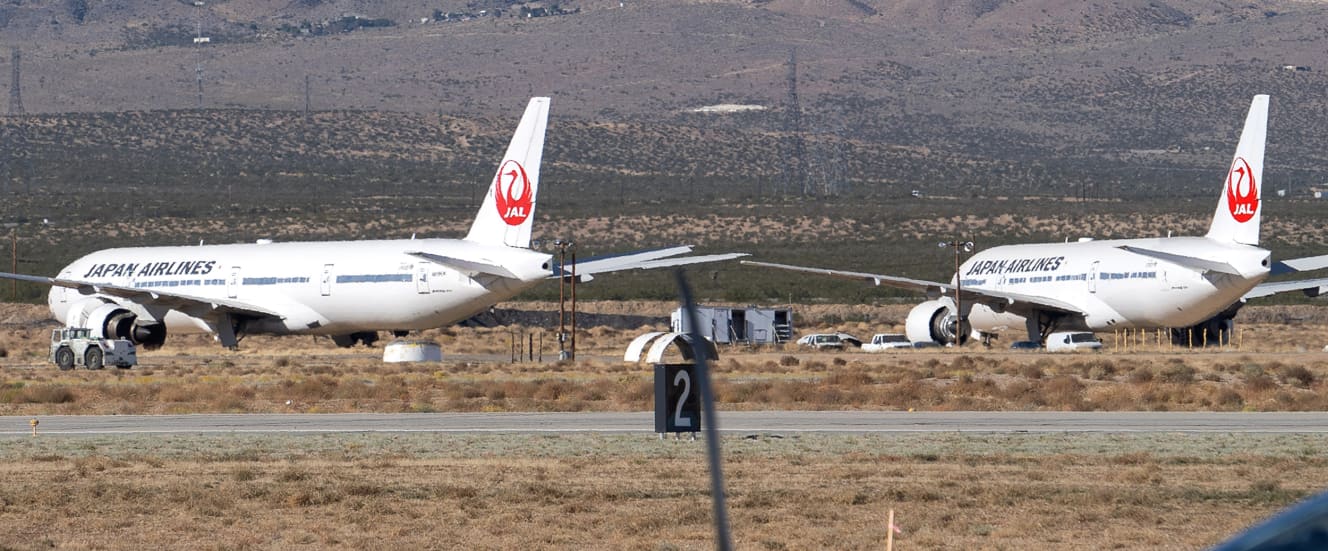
508, 211
1238, 210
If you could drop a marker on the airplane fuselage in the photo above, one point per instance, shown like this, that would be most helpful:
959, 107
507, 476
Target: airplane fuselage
1113, 287
321, 288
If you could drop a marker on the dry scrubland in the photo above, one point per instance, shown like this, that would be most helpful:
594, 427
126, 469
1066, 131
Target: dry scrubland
794, 491
416, 491
1275, 366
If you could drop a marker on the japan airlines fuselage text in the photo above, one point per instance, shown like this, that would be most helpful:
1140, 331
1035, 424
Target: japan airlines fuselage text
1016, 265
152, 269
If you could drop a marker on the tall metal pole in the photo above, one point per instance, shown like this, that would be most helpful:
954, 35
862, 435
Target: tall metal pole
562, 305
719, 509
958, 246
13, 241
15, 86
959, 306
573, 303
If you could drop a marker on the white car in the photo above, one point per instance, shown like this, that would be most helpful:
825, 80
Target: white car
1072, 340
881, 342
822, 341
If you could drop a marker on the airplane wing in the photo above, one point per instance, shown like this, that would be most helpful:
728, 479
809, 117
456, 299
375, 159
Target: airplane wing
1013, 302
1311, 287
153, 297
639, 260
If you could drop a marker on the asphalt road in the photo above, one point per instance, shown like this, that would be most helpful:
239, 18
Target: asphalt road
643, 422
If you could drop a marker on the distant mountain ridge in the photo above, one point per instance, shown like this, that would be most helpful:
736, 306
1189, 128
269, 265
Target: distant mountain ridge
992, 94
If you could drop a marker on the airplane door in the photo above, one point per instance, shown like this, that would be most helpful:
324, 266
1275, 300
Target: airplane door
422, 279
1092, 277
327, 280
233, 282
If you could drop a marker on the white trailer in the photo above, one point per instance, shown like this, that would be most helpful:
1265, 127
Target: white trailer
750, 325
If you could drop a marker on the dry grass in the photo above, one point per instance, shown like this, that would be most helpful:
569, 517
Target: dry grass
636, 492
1274, 368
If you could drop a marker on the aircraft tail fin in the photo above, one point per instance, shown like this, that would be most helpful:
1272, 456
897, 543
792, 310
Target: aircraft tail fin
1240, 207
508, 211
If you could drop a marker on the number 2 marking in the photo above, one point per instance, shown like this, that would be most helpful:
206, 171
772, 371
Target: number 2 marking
686, 389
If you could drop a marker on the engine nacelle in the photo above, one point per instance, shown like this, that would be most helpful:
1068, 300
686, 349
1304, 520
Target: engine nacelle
112, 321
934, 321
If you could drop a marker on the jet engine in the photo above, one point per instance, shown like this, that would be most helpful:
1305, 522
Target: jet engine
112, 321
934, 321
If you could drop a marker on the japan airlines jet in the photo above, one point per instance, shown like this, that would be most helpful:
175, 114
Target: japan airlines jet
1183, 283
348, 290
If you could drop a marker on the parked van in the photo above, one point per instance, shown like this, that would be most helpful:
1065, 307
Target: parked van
1072, 340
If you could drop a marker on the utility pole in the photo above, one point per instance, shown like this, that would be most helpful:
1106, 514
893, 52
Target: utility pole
960, 318
199, 41
562, 245
573, 304
13, 242
15, 88
795, 167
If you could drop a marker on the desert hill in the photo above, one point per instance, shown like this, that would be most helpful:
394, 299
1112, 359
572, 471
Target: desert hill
1112, 97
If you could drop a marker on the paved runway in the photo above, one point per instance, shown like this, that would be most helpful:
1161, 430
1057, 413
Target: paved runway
738, 422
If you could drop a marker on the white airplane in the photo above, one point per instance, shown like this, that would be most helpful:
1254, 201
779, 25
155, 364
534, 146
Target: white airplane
348, 290
1181, 283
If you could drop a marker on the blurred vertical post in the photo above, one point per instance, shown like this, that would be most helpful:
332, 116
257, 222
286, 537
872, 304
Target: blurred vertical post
699, 351
890, 533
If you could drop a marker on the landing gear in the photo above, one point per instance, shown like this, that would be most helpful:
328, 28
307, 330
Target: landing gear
1213, 332
367, 338
1041, 324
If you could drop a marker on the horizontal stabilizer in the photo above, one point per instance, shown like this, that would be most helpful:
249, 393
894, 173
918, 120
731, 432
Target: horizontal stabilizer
625, 261
471, 268
1306, 264
640, 260
1193, 262
1311, 287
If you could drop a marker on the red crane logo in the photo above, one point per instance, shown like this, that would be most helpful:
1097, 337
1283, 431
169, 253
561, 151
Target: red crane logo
1242, 193
512, 193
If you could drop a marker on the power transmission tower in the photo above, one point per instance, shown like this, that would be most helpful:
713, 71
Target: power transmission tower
15, 94
795, 165
199, 41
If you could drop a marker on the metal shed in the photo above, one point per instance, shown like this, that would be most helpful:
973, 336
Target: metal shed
749, 325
